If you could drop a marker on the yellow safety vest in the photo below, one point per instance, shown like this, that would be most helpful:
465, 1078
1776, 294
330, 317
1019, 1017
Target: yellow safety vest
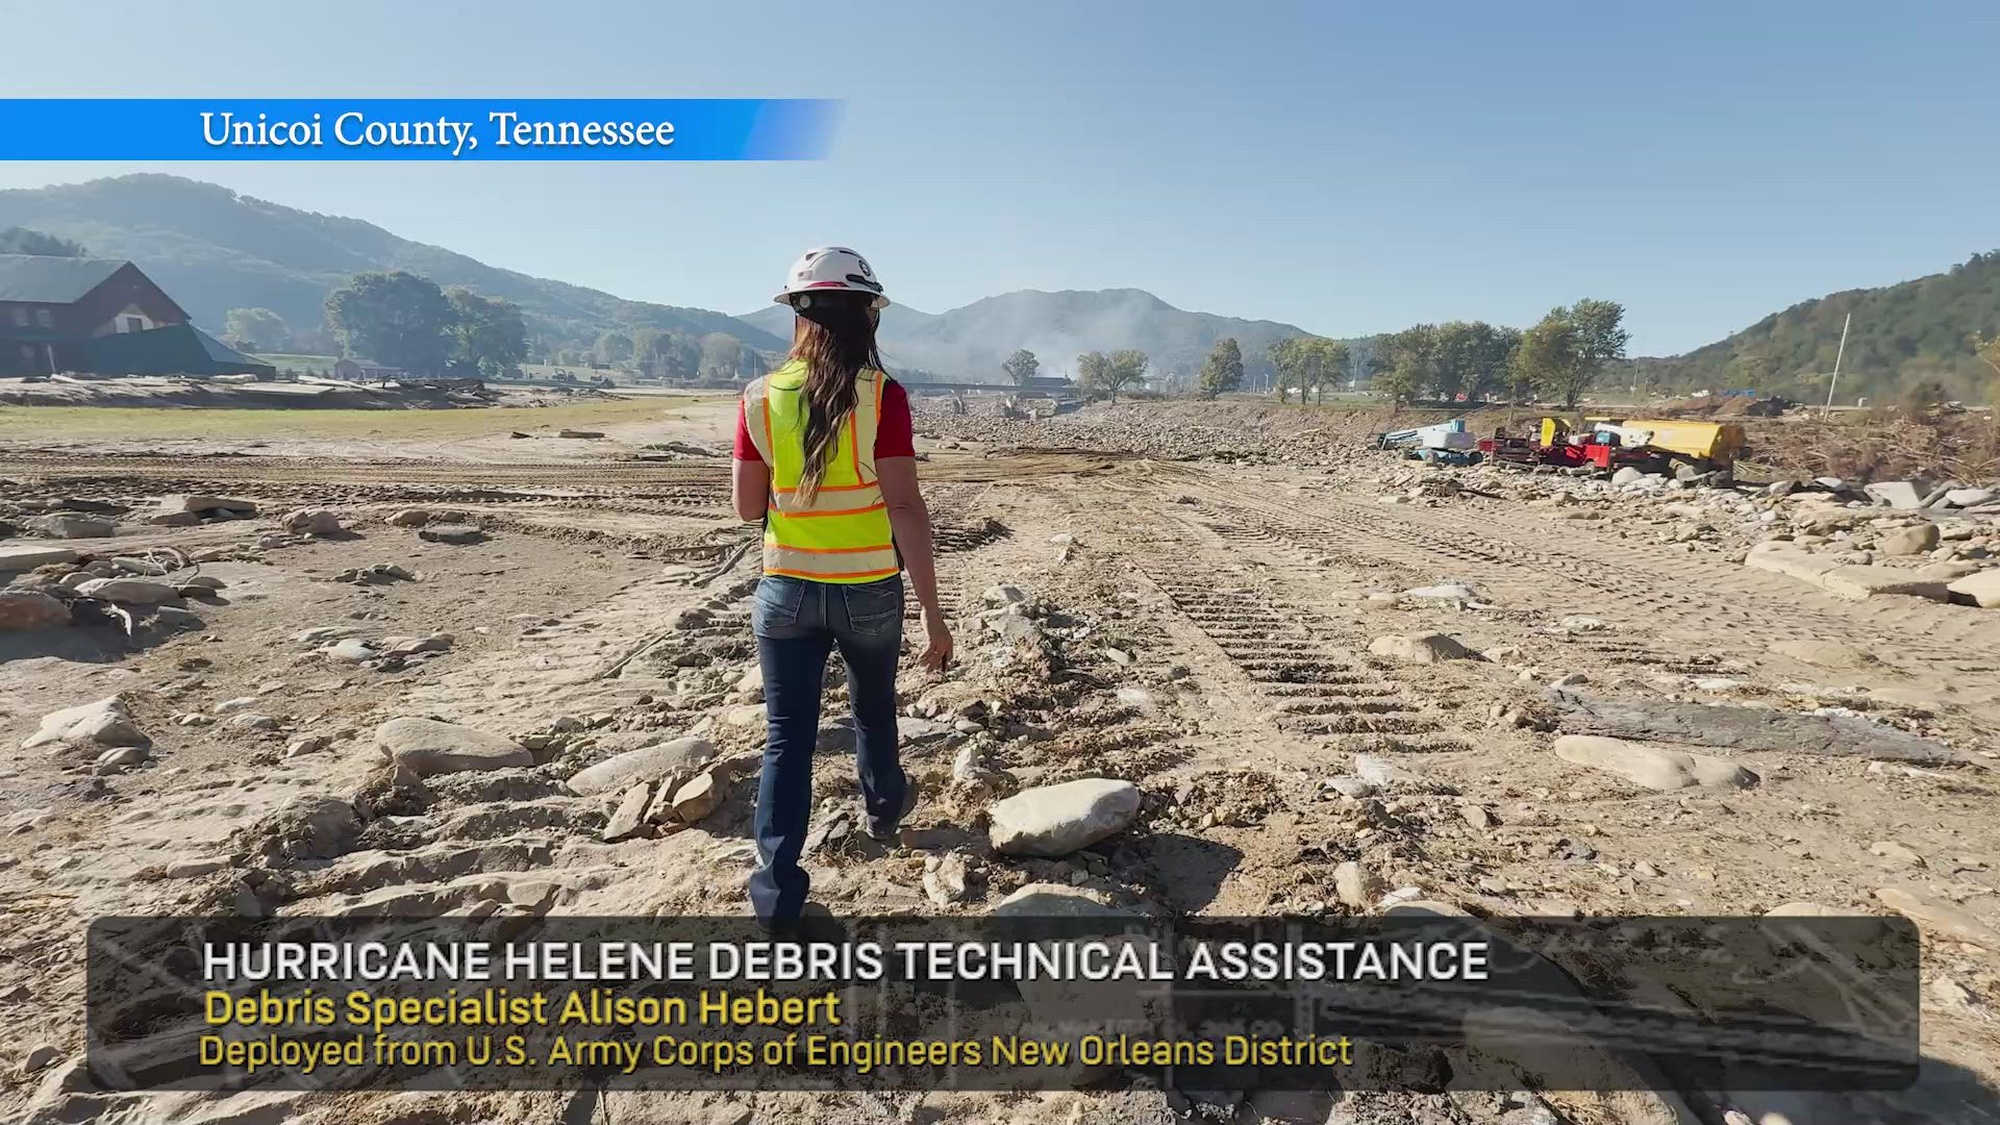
843, 535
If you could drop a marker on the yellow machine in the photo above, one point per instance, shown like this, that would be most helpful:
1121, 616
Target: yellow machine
1709, 444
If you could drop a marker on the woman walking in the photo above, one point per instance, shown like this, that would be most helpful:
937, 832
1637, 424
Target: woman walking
825, 457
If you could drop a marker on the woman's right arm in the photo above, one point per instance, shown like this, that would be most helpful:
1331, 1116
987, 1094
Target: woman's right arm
910, 521
749, 477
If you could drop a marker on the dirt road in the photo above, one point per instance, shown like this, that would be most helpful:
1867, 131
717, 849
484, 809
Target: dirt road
1207, 630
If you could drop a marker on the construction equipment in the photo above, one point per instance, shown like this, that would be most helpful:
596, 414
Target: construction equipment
1649, 444
1555, 443
1705, 445
1443, 435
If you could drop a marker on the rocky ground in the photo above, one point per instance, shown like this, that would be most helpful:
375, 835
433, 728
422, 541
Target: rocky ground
1213, 662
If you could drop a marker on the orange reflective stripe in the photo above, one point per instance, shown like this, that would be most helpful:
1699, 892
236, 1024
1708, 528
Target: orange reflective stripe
837, 550
835, 487
854, 440
769, 445
822, 574
840, 512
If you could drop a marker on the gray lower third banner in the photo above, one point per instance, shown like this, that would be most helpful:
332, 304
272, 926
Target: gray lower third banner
1413, 1002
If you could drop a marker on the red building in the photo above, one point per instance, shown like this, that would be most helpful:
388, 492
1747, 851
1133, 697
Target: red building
100, 316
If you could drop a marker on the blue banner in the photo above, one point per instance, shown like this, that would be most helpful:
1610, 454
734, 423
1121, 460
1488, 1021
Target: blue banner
145, 129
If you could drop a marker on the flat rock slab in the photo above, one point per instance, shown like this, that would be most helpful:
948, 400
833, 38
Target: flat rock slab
451, 533
431, 746
1744, 728
648, 763
630, 816
129, 591
1981, 589
1941, 918
198, 504
19, 557
1650, 766
1055, 820
1055, 900
1859, 583
62, 526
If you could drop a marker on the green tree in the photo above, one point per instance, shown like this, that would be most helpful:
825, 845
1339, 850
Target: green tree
1223, 372
666, 355
1455, 359
488, 334
614, 348
1493, 359
1988, 350
1091, 370
1125, 368
260, 329
1550, 359
722, 356
1285, 363
398, 319
1021, 367
21, 240
1409, 360
1326, 361
1600, 337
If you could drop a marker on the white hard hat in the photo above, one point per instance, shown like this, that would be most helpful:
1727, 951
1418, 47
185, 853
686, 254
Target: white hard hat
833, 268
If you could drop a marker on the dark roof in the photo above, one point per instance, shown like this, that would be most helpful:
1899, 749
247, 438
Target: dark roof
178, 349
50, 280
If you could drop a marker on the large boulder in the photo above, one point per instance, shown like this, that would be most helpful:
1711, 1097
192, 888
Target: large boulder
1649, 766
1914, 540
105, 722
430, 746
1055, 820
30, 609
648, 763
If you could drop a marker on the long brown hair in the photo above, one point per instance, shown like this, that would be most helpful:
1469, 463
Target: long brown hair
835, 336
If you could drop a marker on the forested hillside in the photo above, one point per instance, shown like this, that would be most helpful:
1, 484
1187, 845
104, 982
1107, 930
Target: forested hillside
1916, 332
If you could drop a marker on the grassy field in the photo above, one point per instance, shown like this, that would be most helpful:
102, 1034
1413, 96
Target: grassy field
112, 423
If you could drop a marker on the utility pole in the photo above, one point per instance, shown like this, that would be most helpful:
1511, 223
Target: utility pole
1835, 381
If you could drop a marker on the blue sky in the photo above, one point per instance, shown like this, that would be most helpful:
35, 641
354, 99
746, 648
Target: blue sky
1347, 168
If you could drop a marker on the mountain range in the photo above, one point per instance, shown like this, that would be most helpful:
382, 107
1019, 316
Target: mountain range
973, 341
215, 250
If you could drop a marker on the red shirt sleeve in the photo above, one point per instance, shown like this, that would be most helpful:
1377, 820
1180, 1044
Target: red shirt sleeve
894, 436
746, 450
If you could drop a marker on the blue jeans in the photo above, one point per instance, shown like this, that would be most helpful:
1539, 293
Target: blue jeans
798, 623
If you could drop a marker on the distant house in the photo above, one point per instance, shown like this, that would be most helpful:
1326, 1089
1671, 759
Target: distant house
1050, 382
101, 316
365, 371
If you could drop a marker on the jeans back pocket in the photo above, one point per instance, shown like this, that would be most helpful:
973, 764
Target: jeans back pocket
874, 608
777, 603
